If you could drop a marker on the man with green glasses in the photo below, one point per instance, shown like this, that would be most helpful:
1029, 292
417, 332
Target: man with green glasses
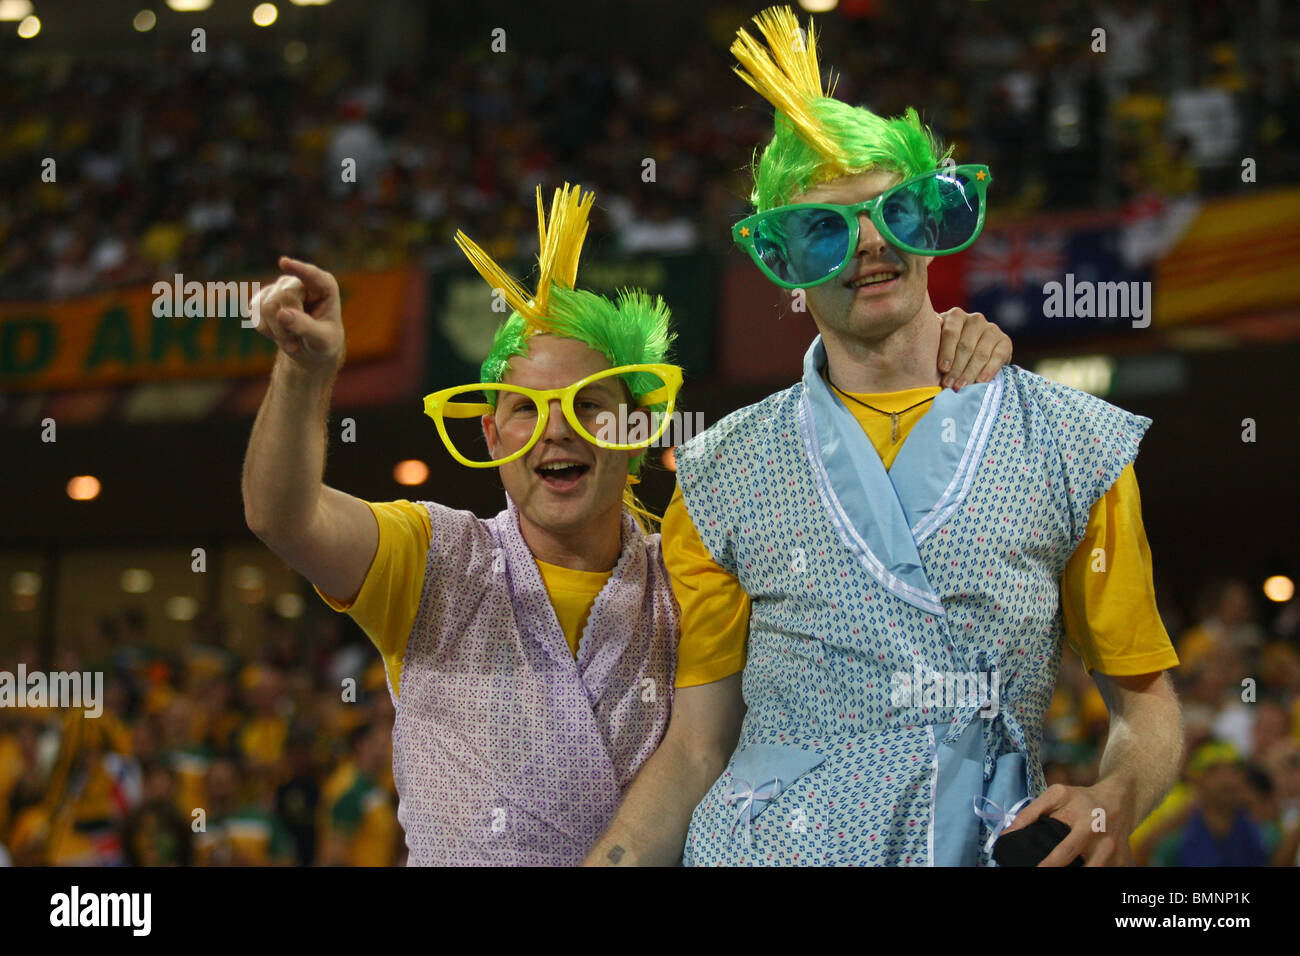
805, 244
879, 574
530, 656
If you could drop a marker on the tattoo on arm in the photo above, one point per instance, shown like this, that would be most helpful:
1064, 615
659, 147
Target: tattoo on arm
615, 854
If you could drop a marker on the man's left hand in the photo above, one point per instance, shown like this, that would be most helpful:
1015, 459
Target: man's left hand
1100, 838
971, 348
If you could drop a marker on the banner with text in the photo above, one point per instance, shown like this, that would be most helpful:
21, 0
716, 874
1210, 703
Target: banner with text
177, 329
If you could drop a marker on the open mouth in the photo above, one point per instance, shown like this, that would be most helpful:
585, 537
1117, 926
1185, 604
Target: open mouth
873, 280
561, 476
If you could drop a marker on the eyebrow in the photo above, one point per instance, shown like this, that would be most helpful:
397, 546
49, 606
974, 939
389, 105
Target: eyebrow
849, 202
607, 385
854, 202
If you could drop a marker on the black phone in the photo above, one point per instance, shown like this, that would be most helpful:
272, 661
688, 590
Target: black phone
1030, 845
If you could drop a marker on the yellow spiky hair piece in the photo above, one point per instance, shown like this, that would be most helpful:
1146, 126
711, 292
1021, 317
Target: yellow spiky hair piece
557, 258
787, 75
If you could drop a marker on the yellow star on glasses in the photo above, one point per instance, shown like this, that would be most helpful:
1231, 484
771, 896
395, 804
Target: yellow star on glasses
744, 231
981, 175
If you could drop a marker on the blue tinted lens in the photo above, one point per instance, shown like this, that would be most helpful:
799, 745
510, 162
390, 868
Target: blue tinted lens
803, 245
936, 214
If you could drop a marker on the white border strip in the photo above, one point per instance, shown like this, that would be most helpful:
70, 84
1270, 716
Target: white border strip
923, 599
966, 470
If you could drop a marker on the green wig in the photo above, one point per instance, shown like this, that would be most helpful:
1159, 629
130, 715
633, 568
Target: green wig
819, 138
632, 329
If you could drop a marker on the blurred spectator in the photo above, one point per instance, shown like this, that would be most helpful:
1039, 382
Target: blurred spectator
1263, 809
156, 835
1130, 33
1070, 110
355, 143
73, 816
1209, 116
1227, 623
261, 739
1218, 829
1282, 763
240, 831
73, 274
650, 226
1268, 729
297, 800
361, 827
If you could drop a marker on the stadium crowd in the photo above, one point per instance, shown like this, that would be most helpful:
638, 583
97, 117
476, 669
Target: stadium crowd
206, 757
214, 164
281, 756
276, 751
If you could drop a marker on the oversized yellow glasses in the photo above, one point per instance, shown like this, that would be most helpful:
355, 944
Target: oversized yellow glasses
597, 407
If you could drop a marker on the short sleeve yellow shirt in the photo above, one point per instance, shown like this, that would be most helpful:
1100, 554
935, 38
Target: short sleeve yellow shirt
389, 598
1110, 619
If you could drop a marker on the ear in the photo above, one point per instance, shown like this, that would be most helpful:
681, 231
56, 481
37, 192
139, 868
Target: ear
490, 434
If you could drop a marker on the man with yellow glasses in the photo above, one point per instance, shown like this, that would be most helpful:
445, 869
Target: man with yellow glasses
531, 656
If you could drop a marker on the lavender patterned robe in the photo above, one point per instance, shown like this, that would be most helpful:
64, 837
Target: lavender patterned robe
507, 751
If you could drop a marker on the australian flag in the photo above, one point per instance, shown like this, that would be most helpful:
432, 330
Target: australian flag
1004, 274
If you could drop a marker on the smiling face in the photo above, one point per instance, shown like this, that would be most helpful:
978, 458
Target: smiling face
882, 288
564, 485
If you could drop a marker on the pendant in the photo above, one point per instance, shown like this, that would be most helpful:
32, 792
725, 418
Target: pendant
893, 428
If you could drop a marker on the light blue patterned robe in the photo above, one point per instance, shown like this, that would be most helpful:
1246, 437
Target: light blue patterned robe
948, 564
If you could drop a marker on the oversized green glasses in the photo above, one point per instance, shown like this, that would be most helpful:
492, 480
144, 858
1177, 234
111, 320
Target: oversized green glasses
597, 407
805, 244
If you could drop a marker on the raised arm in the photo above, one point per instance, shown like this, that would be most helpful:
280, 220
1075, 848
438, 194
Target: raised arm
650, 828
327, 536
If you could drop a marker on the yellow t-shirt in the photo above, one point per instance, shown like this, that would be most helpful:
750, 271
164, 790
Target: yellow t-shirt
1110, 618
389, 598
262, 740
572, 595
358, 816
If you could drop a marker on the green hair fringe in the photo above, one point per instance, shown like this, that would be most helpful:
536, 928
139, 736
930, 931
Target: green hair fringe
633, 329
788, 166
